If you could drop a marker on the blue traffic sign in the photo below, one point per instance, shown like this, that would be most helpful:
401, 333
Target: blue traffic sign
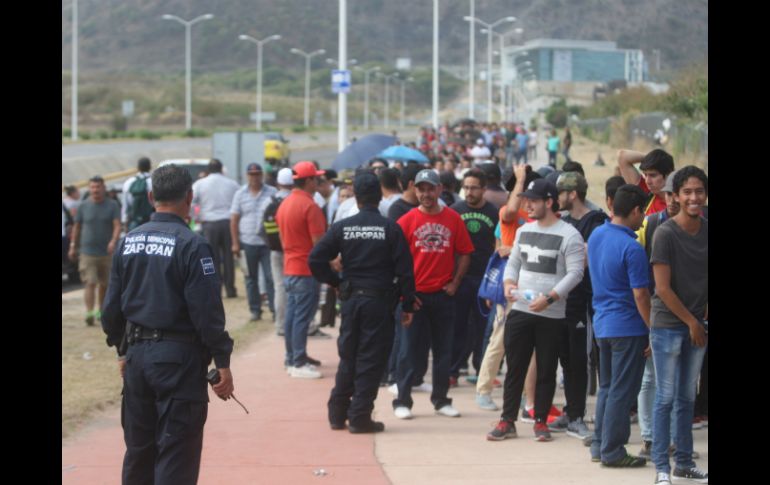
340, 81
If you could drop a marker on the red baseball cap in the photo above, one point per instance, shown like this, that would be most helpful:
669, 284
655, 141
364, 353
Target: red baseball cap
303, 170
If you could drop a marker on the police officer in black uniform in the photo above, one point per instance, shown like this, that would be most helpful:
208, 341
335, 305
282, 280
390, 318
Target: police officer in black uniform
164, 313
374, 255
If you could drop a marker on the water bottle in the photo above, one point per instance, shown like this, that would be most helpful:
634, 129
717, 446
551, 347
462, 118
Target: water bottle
526, 295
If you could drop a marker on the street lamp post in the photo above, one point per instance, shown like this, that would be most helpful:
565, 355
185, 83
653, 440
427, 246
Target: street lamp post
366, 92
403, 83
188, 82
472, 61
490, 29
342, 54
435, 64
388, 77
259, 43
334, 63
74, 81
307, 77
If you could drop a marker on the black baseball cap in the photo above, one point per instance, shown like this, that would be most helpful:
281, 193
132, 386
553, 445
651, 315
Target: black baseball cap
541, 189
366, 183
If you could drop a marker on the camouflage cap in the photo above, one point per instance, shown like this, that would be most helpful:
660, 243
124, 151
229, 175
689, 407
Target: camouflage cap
571, 181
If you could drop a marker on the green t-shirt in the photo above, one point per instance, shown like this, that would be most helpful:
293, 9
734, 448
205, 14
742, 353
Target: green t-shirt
96, 225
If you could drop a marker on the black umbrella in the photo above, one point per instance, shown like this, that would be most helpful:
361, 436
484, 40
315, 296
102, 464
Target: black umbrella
362, 150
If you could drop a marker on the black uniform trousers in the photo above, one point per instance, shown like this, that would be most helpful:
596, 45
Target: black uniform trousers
525, 332
366, 335
165, 404
217, 233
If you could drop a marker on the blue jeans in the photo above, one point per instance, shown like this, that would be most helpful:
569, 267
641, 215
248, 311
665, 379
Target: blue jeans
437, 315
621, 362
677, 367
301, 305
257, 256
646, 400
469, 326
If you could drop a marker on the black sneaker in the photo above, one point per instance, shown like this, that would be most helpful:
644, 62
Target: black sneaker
646, 451
370, 427
312, 361
698, 476
627, 461
504, 429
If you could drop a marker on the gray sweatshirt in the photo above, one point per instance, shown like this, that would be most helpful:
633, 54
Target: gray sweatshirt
545, 259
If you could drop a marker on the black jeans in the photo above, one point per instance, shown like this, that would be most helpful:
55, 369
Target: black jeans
217, 233
437, 314
525, 332
366, 335
574, 361
423, 352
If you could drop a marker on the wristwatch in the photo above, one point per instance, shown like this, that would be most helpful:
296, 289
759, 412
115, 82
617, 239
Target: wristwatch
550, 300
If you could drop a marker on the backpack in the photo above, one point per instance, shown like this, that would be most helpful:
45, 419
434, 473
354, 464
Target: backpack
269, 228
492, 287
140, 209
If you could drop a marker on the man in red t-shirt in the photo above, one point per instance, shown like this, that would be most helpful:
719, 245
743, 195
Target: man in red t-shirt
300, 225
655, 167
436, 235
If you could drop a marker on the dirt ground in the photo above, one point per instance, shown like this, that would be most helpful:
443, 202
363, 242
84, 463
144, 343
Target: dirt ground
90, 379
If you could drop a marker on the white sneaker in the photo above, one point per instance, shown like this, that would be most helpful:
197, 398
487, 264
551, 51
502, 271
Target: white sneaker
307, 371
662, 478
484, 401
424, 387
449, 411
393, 389
403, 412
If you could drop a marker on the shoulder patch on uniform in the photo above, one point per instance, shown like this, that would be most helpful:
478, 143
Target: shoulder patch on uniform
208, 265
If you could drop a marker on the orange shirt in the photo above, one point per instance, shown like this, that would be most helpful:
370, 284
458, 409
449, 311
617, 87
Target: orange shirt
508, 229
299, 219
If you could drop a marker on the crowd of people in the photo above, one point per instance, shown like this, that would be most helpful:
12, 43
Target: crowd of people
401, 250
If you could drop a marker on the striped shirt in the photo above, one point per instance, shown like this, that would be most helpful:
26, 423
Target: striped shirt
251, 208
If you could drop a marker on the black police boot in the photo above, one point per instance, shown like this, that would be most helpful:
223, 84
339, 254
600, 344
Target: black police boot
368, 427
337, 425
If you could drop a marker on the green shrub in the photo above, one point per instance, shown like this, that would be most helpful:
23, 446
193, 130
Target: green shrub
299, 129
84, 135
148, 135
195, 133
66, 133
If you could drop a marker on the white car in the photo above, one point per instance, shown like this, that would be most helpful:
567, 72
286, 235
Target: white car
195, 166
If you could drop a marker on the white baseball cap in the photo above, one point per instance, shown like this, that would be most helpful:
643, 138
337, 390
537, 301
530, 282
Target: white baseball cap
285, 177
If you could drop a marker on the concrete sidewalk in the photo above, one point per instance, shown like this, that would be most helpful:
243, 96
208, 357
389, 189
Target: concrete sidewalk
287, 440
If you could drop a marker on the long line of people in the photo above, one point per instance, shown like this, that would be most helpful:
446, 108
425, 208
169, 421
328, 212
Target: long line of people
581, 288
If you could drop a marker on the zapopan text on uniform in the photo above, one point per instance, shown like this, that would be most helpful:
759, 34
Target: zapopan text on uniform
365, 232
149, 244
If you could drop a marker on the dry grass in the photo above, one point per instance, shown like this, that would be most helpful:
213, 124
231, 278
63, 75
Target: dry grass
585, 151
92, 385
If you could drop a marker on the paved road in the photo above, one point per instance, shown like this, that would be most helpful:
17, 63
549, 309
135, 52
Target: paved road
82, 160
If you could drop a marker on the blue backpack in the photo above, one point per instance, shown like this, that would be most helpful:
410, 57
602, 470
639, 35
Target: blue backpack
492, 287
